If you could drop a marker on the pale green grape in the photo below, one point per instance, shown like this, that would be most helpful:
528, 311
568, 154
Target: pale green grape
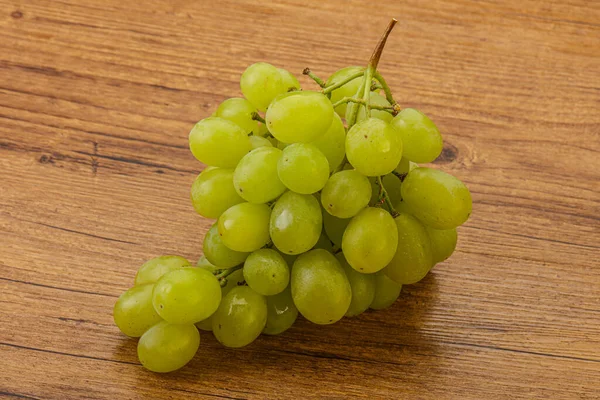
296, 223
443, 243
392, 185
281, 313
262, 130
403, 166
320, 288
219, 142
370, 240
373, 147
153, 269
300, 116
346, 193
324, 243
334, 228
166, 347
219, 254
186, 295
289, 80
259, 141
438, 199
261, 83
245, 226
362, 285
386, 291
347, 90
213, 192
133, 312
240, 111
412, 260
421, 138
303, 168
232, 280
377, 100
266, 272
241, 317
289, 258
333, 143
256, 179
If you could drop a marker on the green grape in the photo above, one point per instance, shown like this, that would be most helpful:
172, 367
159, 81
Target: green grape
362, 285
186, 295
240, 111
281, 313
303, 168
347, 90
219, 142
300, 116
204, 263
403, 166
324, 243
259, 141
153, 269
213, 192
421, 138
438, 199
334, 228
373, 147
289, 81
232, 281
133, 312
346, 193
261, 83
256, 179
377, 100
320, 288
266, 272
332, 144
370, 240
281, 145
296, 223
443, 243
167, 347
289, 258
262, 130
386, 291
412, 260
392, 185
241, 317
245, 226
219, 254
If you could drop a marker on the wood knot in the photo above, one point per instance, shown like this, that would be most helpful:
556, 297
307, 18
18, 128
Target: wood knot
17, 14
44, 159
449, 154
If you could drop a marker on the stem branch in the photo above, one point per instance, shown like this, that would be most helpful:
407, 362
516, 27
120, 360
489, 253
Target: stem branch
315, 78
341, 83
384, 197
256, 116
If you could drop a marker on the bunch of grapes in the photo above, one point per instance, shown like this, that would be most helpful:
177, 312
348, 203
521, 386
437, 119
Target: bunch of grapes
321, 209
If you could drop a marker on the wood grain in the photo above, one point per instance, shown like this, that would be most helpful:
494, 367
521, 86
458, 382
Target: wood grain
97, 98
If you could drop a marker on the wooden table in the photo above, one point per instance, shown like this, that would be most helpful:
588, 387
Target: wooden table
97, 99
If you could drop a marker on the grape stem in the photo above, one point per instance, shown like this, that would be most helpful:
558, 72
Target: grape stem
363, 102
387, 90
399, 175
222, 274
256, 116
341, 83
375, 85
385, 198
315, 78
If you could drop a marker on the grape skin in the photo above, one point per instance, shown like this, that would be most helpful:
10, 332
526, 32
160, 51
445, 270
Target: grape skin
219, 142
153, 269
133, 312
219, 254
213, 192
166, 347
245, 227
303, 168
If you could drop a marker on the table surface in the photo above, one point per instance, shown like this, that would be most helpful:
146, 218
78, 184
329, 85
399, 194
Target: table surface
97, 99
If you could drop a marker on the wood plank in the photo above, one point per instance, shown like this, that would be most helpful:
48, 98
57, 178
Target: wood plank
97, 99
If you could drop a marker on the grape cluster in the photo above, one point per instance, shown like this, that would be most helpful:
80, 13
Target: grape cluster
320, 207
